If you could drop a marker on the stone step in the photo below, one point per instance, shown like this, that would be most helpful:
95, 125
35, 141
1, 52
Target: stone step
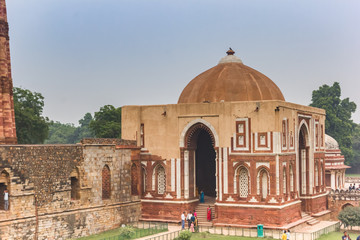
313, 221
201, 211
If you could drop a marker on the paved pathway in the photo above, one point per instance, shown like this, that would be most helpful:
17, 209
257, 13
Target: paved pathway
314, 228
171, 228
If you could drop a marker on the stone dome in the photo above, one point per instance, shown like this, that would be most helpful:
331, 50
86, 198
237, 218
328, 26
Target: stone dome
229, 81
331, 143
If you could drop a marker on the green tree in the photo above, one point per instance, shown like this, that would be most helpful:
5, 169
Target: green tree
107, 122
31, 126
84, 130
60, 133
356, 149
350, 216
338, 122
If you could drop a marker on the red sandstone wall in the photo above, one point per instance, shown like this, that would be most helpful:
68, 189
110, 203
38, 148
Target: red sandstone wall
253, 216
165, 211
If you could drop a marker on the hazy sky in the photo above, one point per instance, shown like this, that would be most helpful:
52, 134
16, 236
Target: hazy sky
83, 54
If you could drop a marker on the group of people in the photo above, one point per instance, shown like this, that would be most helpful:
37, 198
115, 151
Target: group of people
192, 220
346, 236
353, 187
286, 235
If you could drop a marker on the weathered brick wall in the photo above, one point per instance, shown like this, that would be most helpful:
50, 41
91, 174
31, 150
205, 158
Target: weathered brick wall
40, 190
338, 200
111, 141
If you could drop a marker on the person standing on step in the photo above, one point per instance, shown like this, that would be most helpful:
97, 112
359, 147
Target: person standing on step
202, 197
183, 221
208, 211
195, 213
288, 234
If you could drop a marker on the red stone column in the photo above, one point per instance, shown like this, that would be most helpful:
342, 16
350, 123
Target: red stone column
7, 115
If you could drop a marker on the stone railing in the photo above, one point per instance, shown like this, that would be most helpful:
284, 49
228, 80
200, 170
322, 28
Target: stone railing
344, 194
352, 179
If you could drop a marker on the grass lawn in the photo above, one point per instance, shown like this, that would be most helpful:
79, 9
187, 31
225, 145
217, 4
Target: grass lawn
112, 233
338, 235
330, 236
352, 175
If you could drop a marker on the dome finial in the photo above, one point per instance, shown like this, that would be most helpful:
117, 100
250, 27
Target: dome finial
230, 51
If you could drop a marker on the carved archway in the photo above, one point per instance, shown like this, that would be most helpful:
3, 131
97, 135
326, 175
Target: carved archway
303, 150
193, 133
199, 156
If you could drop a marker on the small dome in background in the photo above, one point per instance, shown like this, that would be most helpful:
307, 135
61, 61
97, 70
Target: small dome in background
331, 143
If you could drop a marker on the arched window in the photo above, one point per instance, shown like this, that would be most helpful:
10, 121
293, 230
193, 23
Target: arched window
134, 180
263, 184
4, 185
243, 182
284, 181
161, 180
291, 179
106, 182
75, 184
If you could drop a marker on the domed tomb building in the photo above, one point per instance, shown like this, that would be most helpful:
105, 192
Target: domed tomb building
233, 136
334, 164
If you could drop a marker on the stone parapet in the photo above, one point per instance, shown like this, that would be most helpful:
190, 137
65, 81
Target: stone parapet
108, 141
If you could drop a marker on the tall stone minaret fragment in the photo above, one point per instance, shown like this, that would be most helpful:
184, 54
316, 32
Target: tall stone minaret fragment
7, 116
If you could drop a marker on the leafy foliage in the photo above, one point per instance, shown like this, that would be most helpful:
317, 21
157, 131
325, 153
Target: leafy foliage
60, 133
84, 131
338, 122
107, 122
184, 235
350, 216
31, 126
356, 147
126, 232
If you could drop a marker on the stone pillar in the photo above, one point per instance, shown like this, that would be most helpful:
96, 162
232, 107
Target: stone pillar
186, 174
7, 116
178, 178
333, 180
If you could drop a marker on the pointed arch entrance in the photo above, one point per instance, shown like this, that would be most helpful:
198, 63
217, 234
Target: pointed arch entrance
304, 160
200, 153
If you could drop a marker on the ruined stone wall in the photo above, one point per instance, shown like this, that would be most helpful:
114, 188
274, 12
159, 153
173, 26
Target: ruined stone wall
339, 199
41, 205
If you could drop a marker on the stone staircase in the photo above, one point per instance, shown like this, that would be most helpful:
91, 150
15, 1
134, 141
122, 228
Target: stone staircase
309, 219
201, 210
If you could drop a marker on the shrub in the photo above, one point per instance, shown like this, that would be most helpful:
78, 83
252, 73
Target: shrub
126, 232
350, 216
184, 235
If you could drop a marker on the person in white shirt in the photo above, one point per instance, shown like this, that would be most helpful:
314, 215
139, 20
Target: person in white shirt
188, 218
6, 199
288, 235
183, 221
